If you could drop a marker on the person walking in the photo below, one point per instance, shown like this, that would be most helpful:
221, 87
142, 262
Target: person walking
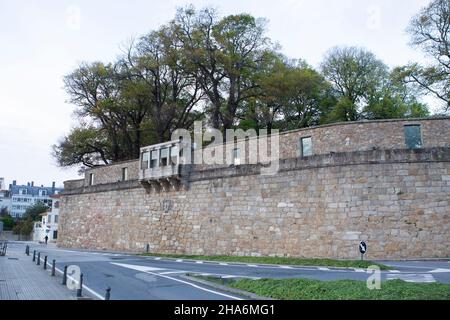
46, 239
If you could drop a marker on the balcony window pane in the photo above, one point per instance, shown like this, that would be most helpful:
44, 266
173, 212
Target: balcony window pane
306, 147
164, 156
145, 160
236, 157
413, 137
174, 155
154, 159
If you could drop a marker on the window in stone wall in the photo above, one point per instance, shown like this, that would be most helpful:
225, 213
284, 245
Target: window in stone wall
145, 158
164, 157
413, 137
124, 174
306, 147
91, 179
154, 159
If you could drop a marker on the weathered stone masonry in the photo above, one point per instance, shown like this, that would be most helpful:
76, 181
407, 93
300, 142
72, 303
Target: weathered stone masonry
360, 184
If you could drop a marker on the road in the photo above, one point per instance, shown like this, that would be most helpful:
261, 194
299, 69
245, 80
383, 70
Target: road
141, 278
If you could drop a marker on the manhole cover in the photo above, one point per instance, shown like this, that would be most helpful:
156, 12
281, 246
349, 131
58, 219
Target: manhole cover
13, 258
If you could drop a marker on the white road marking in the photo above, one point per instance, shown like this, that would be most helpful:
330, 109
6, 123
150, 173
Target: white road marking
223, 264
228, 277
394, 271
440, 270
157, 258
137, 267
173, 272
252, 265
286, 267
181, 281
323, 269
359, 270
179, 260
413, 277
199, 262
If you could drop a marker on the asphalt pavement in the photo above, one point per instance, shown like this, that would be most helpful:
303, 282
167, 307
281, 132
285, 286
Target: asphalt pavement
141, 278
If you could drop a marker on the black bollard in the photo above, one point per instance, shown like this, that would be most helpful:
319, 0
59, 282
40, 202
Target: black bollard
64, 281
38, 262
45, 263
108, 293
148, 248
27, 250
34, 255
80, 287
53, 267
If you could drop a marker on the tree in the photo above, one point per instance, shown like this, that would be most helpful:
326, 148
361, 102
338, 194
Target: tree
225, 56
356, 75
429, 31
292, 95
8, 222
25, 225
87, 146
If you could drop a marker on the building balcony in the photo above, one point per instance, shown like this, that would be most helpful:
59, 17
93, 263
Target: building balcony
160, 166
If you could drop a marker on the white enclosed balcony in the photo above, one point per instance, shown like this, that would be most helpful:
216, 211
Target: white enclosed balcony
160, 165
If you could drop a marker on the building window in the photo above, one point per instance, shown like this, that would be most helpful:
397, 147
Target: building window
164, 157
236, 157
413, 137
91, 179
42, 193
154, 159
55, 219
306, 147
23, 191
56, 205
55, 234
124, 174
145, 159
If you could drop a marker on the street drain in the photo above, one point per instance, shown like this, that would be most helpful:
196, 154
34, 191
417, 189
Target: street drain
13, 258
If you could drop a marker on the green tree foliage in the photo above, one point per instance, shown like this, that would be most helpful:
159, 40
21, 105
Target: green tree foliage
429, 31
8, 222
226, 71
24, 226
366, 89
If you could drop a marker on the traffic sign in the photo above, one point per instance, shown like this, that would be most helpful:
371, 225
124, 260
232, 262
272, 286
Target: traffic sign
362, 248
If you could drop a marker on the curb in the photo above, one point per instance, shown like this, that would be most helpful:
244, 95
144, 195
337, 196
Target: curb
225, 288
295, 266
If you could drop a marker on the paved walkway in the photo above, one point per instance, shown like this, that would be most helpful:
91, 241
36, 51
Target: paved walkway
22, 279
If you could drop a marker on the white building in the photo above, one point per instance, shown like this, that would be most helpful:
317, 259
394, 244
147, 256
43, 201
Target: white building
5, 200
24, 196
48, 226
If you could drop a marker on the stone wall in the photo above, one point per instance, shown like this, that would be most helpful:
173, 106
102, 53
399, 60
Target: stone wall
321, 206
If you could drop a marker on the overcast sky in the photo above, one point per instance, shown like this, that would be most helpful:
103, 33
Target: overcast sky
43, 40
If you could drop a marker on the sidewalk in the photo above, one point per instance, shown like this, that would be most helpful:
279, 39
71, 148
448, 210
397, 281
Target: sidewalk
22, 279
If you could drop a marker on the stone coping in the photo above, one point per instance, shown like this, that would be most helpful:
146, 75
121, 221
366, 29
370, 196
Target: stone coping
441, 154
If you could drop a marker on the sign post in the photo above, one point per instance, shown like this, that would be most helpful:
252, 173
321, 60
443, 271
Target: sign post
362, 249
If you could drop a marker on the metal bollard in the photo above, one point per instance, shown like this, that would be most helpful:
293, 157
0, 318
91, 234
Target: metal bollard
34, 255
147, 248
45, 263
38, 259
80, 287
64, 281
53, 267
108, 293
27, 250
